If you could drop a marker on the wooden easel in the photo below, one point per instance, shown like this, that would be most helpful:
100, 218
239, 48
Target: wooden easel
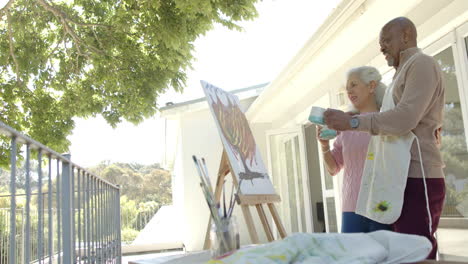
245, 201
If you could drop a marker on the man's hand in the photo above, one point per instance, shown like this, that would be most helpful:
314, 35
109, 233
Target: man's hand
337, 120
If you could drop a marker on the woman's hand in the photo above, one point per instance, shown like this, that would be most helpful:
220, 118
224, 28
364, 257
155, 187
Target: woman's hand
323, 142
325, 146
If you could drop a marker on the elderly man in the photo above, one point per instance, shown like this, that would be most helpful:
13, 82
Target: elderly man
418, 95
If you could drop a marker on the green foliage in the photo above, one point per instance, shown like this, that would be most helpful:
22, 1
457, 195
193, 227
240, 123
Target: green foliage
128, 212
144, 189
81, 58
148, 206
129, 234
20, 175
4, 201
138, 183
5, 212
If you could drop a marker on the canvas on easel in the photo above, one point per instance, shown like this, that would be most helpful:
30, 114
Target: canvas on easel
241, 157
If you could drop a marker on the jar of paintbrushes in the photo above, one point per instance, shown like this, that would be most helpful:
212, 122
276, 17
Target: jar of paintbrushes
224, 234
224, 237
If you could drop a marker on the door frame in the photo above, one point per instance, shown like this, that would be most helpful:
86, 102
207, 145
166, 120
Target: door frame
293, 131
455, 39
461, 63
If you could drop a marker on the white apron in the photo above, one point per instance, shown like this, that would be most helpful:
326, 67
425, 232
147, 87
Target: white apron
386, 170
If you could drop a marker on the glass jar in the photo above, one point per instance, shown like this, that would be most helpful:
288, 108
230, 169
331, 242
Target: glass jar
224, 237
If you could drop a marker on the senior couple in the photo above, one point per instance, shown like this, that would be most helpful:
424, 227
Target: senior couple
389, 146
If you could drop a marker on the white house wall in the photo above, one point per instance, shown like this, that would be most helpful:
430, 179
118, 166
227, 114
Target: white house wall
200, 138
178, 195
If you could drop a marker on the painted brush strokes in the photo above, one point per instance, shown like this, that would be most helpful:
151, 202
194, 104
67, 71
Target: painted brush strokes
238, 141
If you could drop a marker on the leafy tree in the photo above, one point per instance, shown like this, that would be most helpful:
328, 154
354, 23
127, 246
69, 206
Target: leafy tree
138, 182
5, 175
144, 189
80, 58
128, 235
128, 211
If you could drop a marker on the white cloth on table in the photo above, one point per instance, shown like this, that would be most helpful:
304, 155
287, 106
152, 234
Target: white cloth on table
316, 248
377, 247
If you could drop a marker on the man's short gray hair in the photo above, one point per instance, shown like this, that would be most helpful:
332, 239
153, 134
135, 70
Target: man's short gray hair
367, 74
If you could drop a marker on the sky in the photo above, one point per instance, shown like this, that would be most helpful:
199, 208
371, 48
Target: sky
225, 58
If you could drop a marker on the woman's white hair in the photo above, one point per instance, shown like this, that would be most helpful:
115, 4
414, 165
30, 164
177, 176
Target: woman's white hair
367, 74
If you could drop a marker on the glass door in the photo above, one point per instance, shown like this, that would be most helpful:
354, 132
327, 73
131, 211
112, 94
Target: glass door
331, 192
451, 54
288, 169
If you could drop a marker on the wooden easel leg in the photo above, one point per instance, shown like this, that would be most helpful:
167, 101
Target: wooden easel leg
223, 170
265, 223
277, 220
250, 224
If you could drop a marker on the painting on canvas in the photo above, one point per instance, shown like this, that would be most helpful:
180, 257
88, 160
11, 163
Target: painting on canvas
238, 141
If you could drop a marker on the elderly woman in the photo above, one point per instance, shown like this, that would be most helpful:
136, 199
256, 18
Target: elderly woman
365, 91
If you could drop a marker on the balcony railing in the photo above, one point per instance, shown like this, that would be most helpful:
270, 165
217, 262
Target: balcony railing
58, 211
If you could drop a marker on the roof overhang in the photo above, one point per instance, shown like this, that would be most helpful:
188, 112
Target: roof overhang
200, 103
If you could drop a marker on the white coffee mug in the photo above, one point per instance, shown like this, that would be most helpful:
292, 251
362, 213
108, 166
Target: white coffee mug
316, 115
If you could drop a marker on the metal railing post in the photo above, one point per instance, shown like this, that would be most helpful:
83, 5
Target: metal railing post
78, 181
12, 252
67, 209
59, 213
27, 231
88, 216
40, 209
119, 239
50, 216
72, 197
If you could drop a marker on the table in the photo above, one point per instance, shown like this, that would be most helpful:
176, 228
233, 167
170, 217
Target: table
204, 256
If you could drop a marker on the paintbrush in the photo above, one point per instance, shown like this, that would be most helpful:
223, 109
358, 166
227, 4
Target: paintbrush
214, 210
224, 199
204, 171
230, 200
199, 170
203, 184
206, 174
208, 203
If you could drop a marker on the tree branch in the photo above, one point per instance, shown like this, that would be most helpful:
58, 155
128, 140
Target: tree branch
97, 39
58, 44
12, 49
87, 24
64, 15
6, 7
63, 18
